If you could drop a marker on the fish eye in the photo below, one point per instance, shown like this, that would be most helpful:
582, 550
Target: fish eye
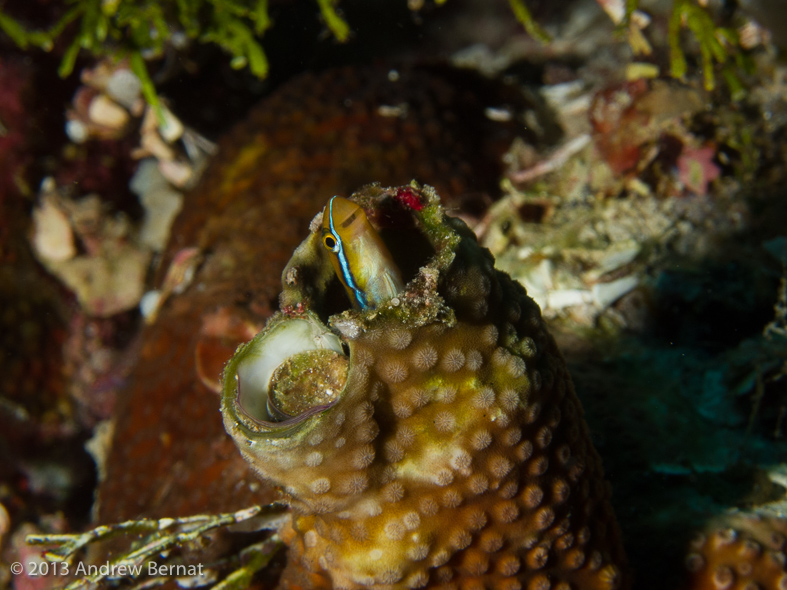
330, 242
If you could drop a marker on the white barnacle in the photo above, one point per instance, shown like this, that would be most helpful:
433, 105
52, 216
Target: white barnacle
444, 421
393, 492
356, 483
453, 360
478, 483
393, 370
418, 397
411, 520
489, 335
516, 367
401, 408
321, 485
475, 360
484, 398
310, 538
447, 394
313, 459
394, 530
399, 339
363, 457
481, 439
425, 358
443, 477
509, 399
461, 459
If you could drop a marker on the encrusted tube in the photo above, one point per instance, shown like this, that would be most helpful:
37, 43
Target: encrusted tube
455, 451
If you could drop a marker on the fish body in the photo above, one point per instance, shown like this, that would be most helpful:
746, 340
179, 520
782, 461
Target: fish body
359, 256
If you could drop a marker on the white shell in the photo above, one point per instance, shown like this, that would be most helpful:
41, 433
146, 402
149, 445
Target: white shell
288, 338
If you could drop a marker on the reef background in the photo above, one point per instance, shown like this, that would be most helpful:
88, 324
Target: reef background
681, 374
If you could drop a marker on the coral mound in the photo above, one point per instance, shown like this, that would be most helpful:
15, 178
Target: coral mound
456, 453
316, 136
740, 552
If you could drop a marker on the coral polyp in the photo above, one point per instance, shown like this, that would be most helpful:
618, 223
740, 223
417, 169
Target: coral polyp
455, 451
741, 550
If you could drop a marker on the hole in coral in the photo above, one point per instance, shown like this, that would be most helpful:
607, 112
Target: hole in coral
410, 250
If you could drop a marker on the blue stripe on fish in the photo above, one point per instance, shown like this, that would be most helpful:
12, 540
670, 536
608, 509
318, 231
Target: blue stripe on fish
360, 297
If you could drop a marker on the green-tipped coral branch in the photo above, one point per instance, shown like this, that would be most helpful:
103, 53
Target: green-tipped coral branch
123, 28
133, 29
523, 15
159, 536
253, 559
335, 23
137, 63
717, 45
138, 30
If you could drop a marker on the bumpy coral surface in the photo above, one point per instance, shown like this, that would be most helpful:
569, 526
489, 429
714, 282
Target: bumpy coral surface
315, 137
456, 455
739, 552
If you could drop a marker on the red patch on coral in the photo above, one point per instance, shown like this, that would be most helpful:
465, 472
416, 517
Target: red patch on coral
613, 106
696, 169
619, 125
409, 198
294, 310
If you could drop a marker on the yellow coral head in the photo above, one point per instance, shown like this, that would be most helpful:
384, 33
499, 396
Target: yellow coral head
361, 260
433, 441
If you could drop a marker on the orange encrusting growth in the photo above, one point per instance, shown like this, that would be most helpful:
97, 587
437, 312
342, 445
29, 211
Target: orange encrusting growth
455, 457
741, 552
481, 476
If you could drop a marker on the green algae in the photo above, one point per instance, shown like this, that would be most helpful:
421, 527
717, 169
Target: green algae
142, 29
